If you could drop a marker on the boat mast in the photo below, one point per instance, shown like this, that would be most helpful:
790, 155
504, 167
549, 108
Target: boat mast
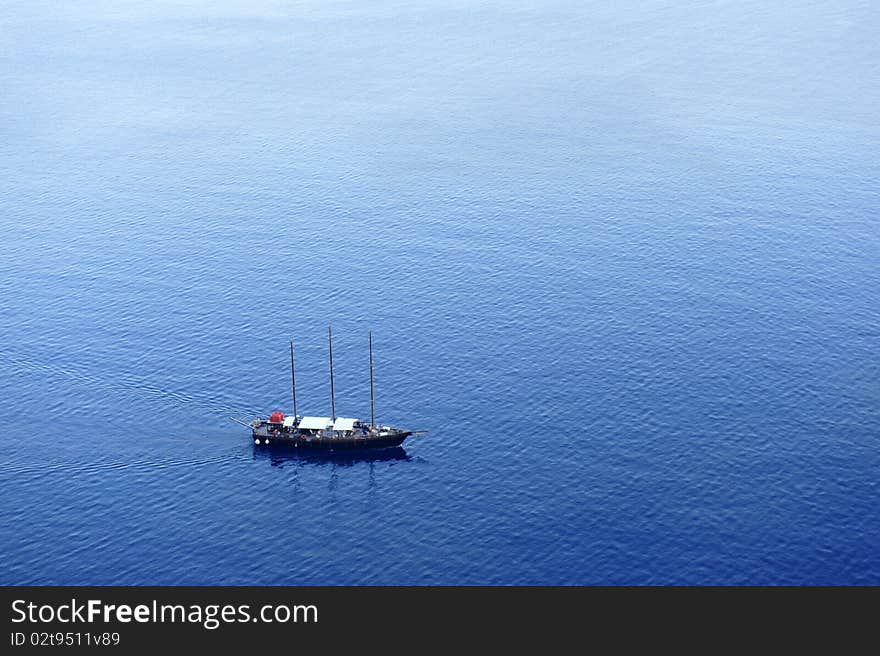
372, 395
293, 380
332, 394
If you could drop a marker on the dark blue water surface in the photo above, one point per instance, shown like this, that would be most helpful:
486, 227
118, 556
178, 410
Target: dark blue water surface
621, 259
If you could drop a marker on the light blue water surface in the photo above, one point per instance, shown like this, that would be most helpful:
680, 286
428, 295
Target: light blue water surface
621, 259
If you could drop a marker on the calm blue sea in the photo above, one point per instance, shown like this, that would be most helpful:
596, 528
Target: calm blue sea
619, 258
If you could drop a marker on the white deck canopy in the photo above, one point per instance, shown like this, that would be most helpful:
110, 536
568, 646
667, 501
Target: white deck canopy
315, 423
344, 424
288, 421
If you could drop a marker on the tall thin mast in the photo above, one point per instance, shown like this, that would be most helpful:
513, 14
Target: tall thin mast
332, 393
293, 380
372, 395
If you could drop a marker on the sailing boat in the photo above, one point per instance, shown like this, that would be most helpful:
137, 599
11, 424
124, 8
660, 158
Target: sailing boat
328, 433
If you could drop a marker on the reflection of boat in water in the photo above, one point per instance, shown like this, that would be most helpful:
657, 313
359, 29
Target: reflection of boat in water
326, 433
279, 454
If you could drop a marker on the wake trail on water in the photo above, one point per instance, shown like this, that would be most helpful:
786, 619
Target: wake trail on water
126, 385
92, 467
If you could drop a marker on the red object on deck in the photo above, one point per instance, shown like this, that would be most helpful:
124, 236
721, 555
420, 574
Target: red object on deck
276, 417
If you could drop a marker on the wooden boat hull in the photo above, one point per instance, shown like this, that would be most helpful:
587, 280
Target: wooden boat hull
332, 443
